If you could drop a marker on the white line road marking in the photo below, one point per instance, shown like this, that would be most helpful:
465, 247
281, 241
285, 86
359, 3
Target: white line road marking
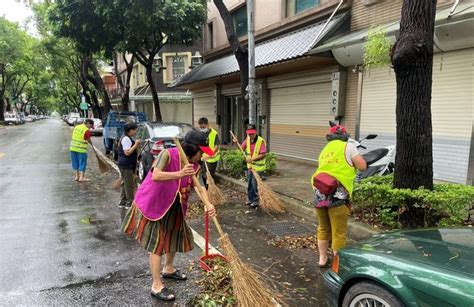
199, 240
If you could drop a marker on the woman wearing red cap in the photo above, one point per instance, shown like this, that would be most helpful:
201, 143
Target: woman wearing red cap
256, 149
157, 216
333, 182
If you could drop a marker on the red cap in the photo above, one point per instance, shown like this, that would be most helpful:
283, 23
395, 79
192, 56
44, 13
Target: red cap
338, 129
251, 131
207, 150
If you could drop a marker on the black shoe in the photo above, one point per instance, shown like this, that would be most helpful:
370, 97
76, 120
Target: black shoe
254, 205
164, 295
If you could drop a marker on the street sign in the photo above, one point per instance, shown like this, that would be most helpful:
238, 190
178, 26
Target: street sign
83, 106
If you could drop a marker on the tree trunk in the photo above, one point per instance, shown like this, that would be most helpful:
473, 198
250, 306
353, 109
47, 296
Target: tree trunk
96, 80
154, 94
101, 88
126, 93
412, 59
2, 106
240, 51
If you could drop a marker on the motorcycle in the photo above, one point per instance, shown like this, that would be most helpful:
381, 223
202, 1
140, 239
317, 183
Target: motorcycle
380, 161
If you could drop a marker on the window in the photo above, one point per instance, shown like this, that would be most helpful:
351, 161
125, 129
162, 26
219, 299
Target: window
240, 21
294, 7
210, 35
178, 67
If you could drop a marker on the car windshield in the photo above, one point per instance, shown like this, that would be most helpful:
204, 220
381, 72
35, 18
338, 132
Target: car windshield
170, 131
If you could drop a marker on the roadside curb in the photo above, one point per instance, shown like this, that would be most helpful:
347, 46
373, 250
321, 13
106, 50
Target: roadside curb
357, 231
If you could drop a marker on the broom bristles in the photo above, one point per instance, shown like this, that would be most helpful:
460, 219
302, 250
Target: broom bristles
216, 196
248, 286
269, 202
103, 166
117, 183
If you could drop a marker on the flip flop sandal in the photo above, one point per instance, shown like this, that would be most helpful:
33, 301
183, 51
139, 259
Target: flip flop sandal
176, 275
164, 295
326, 265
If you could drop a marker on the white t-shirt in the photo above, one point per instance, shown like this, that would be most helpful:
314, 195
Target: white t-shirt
126, 143
351, 152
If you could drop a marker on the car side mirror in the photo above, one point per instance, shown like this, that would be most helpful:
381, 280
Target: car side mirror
371, 136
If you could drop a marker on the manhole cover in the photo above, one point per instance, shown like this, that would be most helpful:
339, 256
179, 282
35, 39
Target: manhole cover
285, 228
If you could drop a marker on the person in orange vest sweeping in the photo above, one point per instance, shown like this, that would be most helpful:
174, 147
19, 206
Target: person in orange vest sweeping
214, 144
81, 137
256, 149
333, 182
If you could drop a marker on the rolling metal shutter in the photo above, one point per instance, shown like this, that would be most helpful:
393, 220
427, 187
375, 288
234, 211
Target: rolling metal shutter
452, 112
204, 105
299, 116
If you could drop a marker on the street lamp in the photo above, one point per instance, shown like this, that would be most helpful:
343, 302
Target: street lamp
196, 59
157, 63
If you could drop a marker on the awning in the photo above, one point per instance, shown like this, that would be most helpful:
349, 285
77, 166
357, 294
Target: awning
452, 32
279, 49
143, 94
164, 98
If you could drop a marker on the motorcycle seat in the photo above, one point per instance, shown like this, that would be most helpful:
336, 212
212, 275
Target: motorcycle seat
375, 155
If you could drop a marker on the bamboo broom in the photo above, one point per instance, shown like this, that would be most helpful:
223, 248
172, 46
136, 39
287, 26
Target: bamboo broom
248, 286
110, 165
103, 166
216, 196
269, 202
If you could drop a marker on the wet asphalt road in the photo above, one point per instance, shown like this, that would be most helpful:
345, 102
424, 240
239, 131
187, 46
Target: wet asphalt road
61, 240
62, 245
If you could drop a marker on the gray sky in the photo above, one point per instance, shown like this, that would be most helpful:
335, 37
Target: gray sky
17, 12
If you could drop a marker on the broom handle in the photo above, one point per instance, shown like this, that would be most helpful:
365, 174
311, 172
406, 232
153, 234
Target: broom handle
238, 144
197, 187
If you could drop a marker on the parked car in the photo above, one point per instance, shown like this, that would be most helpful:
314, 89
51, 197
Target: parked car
97, 129
12, 118
424, 267
30, 119
113, 128
72, 118
156, 137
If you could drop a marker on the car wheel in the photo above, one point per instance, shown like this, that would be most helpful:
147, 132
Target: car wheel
370, 294
141, 172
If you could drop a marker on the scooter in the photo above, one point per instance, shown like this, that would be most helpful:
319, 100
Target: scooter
380, 161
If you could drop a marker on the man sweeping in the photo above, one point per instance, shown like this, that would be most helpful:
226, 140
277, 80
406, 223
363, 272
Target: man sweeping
81, 137
214, 144
256, 149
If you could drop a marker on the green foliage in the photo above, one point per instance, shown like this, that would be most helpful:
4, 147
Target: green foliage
447, 205
377, 48
233, 163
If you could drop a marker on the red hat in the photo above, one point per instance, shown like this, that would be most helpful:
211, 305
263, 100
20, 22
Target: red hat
338, 129
251, 131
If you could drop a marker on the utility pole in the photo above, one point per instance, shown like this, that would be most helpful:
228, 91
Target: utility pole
251, 51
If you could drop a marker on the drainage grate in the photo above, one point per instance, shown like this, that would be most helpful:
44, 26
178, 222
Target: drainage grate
286, 228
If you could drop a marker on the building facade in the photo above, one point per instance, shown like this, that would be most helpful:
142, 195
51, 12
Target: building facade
309, 71
173, 62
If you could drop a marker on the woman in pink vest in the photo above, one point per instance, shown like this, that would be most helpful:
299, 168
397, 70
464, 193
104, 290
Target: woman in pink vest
157, 216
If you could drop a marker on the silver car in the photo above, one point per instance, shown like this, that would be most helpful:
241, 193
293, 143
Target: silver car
98, 129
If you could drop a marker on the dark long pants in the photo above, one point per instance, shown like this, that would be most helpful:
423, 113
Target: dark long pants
128, 187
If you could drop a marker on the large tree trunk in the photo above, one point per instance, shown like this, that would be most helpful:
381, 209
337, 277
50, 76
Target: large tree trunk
412, 59
154, 94
240, 51
124, 88
96, 80
2, 106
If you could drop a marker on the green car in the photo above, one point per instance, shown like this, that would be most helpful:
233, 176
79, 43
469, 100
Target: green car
424, 267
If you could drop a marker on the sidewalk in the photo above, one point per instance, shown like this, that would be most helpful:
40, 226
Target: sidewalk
292, 184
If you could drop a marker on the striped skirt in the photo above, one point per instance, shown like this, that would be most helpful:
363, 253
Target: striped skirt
167, 235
